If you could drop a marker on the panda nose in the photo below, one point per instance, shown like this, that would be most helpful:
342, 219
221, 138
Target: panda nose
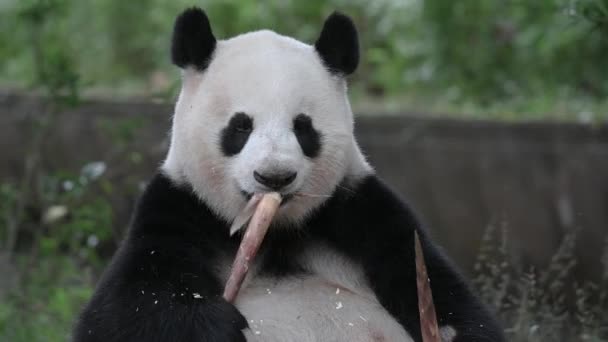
275, 181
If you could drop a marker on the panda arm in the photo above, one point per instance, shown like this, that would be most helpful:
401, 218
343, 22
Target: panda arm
376, 228
161, 285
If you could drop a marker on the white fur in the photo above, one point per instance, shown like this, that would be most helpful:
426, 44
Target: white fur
272, 78
333, 302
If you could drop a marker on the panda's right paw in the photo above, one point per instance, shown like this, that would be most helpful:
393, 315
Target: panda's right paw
223, 322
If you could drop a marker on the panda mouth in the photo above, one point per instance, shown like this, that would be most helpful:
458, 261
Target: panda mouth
286, 197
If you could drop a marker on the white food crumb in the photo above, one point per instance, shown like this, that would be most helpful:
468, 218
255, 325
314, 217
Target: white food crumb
363, 318
268, 291
337, 290
142, 291
251, 321
137, 309
481, 325
338, 305
151, 253
352, 325
156, 302
257, 332
197, 295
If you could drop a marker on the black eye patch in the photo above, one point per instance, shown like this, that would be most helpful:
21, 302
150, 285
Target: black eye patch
308, 137
235, 135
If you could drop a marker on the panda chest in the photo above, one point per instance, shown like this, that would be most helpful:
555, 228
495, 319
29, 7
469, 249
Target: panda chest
331, 301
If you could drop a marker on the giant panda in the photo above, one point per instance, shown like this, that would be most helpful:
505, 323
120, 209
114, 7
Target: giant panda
256, 113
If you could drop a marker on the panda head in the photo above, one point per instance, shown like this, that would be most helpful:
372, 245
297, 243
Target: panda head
263, 112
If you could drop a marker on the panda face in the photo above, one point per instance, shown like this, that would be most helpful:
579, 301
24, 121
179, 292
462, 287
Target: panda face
265, 114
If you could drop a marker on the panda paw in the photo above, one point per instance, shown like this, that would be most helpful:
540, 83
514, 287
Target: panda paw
224, 323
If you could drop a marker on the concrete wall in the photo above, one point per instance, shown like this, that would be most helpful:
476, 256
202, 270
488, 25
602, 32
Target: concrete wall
539, 180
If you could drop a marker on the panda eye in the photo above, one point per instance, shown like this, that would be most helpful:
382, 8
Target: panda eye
235, 135
301, 124
308, 137
241, 123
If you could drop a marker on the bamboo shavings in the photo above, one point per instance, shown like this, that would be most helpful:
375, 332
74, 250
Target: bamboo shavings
266, 207
428, 319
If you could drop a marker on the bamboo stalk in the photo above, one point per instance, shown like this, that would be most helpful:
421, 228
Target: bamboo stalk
256, 230
241, 220
428, 318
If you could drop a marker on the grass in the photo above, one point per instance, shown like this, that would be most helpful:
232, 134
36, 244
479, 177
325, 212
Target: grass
45, 300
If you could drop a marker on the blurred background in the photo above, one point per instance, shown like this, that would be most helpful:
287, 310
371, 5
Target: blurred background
489, 117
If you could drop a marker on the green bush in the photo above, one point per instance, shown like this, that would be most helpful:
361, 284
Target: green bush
45, 303
487, 57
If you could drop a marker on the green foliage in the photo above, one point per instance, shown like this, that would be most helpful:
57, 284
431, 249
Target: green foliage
44, 305
506, 58
70, 214
49, 61
510, 49
54, 224
78, 219
57, 255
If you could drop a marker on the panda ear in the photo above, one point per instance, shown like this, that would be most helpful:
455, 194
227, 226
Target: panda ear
338, 44
193, 42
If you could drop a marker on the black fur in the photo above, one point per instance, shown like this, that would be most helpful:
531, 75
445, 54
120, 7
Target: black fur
308, 137
338, 44
148, 292
235, 135
175, 239
193, 41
